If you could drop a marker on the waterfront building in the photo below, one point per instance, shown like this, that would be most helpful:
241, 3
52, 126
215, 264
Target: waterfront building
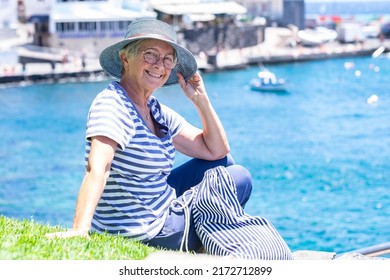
8, 21
92, 24
294, 13
8, 15
181, 13
210, 26
12, 33
277, 12
271, 10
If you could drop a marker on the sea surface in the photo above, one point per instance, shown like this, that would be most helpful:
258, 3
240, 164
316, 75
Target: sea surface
319, 154
339, 7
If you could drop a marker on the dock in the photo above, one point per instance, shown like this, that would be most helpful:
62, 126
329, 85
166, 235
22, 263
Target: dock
33, 67
46, 65
273, 52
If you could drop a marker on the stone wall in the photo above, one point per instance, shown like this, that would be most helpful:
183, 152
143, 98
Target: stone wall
225, 37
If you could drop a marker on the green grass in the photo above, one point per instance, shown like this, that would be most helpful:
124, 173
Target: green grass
25, 240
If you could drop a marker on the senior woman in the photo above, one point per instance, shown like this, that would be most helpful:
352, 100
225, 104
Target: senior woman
130, 187
131, 139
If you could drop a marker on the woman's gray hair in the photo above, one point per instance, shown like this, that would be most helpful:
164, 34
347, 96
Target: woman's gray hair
131, 49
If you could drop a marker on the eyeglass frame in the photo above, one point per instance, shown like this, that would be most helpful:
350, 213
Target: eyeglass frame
158, 58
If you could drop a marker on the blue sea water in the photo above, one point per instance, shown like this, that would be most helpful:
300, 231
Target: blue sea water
319, 154
339, 7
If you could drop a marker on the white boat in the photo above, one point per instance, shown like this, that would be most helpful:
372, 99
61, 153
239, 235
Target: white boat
317, 36
267, 81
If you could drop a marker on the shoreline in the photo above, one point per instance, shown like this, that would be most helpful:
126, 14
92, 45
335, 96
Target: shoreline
262, 54
273, 54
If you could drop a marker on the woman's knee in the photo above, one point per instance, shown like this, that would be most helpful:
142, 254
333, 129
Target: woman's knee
225, 161
229, 160
243, 180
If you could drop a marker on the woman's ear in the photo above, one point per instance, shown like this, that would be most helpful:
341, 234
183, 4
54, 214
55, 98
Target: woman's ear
125, 61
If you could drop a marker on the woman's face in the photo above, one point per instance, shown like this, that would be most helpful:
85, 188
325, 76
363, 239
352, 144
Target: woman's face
146, 74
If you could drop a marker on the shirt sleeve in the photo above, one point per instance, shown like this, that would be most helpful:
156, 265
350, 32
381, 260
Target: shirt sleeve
174, 121
109, 117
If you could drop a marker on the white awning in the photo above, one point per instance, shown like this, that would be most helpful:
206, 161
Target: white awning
199, 8
103, 12
200, 17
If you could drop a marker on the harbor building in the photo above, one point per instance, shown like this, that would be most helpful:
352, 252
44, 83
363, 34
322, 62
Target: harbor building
91, 24
277, 12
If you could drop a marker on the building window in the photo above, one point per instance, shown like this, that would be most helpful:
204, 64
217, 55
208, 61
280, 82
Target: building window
87, 26
107, 26
65, 27
123, 25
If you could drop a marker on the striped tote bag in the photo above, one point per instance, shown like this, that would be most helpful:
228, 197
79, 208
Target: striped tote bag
225, 229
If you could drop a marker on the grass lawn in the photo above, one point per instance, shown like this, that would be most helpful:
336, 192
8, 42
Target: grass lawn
25, 240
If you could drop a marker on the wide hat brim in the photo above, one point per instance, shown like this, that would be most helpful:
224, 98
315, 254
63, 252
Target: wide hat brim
186, 65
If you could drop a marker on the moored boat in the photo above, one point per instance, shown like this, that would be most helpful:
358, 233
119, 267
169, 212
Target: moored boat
267, 81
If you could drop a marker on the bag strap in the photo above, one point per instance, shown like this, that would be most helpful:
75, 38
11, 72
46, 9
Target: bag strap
183, 205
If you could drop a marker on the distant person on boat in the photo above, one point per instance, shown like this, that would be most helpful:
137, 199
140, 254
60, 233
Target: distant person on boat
130, 187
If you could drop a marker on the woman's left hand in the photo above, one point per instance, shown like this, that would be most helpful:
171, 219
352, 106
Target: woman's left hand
209, 143
67, 234
193, 87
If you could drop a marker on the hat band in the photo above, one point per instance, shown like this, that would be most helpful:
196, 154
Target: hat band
154, 36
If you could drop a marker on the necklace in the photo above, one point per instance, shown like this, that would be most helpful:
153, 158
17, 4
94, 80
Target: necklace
141, 109
144, 112
147, 113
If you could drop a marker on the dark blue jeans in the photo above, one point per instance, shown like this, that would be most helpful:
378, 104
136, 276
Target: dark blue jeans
183, 178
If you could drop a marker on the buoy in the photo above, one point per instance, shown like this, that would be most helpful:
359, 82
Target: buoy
349, 65
373, 99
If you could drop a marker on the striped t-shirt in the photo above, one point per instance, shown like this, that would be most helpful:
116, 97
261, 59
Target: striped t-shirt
136, 197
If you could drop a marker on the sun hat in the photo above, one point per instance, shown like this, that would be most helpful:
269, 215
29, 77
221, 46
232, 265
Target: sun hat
149, 28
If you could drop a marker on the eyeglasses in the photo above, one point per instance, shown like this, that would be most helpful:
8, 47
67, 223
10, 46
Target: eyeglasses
152, 56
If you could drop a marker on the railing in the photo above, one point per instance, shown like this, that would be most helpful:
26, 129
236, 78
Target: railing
372, 251
55, 51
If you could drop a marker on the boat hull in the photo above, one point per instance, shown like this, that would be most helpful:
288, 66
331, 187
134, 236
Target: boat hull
269, 89
258, 85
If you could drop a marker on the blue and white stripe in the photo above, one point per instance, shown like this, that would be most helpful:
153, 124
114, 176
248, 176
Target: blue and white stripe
136, 197
225, 229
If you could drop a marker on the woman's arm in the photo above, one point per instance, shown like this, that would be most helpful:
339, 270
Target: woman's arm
99, 163
210, 143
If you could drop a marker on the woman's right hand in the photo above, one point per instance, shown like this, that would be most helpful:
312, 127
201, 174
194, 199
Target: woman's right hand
99, 162
67, 234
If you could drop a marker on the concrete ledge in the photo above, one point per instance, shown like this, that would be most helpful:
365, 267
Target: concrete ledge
313, 255
298, 255
175, 255
357, 256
